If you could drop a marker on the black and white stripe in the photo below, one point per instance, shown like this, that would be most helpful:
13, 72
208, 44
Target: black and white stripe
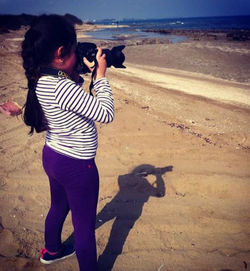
71, 113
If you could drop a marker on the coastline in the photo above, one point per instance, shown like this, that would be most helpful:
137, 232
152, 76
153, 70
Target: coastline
202, 222
210, 34
82, 30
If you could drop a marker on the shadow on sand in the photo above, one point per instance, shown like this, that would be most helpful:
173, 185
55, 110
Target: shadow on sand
126, 207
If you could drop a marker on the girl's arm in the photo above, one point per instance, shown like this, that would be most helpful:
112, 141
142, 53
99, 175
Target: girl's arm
72, 97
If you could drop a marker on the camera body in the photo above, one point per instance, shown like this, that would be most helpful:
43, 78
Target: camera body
114, 57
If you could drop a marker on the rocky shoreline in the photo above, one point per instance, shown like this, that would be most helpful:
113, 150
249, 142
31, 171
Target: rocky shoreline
230, 35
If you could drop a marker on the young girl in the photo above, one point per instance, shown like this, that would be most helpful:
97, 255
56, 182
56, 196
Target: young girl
56, 103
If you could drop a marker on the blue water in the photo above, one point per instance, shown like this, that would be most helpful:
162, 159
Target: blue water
125, 33
136, 28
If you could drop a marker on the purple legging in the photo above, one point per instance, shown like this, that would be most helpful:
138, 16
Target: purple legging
74, 185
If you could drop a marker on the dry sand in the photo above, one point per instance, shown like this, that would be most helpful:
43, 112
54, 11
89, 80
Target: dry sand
182, 124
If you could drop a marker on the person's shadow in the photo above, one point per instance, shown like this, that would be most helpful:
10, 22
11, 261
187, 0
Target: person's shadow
126, 207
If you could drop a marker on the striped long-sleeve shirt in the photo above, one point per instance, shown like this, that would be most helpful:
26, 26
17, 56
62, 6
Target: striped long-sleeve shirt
71, 112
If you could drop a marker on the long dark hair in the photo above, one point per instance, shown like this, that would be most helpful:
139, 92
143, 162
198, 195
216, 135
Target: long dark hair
46, 34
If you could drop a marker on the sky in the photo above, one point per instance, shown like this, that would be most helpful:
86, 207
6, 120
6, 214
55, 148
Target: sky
119, 9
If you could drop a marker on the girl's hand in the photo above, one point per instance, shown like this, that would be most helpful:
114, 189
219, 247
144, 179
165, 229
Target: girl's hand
90, 65
10, 108
102, 64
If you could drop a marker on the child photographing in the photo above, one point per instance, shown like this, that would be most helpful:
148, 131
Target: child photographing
57, 104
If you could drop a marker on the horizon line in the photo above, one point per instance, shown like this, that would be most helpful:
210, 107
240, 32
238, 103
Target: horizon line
128, 19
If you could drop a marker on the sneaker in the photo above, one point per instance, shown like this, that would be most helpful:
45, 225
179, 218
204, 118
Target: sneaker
51, 257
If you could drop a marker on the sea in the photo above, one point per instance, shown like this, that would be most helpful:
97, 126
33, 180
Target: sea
134, 29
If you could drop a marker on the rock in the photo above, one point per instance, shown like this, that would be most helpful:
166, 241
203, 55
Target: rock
8, 245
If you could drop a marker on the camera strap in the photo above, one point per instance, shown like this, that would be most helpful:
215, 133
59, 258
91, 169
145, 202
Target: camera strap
54, 72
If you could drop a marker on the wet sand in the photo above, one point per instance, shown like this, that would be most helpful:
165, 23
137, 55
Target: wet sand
174, 164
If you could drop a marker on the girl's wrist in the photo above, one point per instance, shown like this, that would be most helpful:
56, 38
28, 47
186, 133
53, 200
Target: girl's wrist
100, 79
99, 76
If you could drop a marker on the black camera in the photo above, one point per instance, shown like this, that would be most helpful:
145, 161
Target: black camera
114, 57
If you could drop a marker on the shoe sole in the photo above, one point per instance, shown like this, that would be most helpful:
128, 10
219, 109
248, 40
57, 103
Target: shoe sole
56, 260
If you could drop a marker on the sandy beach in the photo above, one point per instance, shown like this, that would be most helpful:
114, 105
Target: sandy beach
174, 164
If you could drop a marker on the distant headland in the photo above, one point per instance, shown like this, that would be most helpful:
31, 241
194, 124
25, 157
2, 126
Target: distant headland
14, 22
